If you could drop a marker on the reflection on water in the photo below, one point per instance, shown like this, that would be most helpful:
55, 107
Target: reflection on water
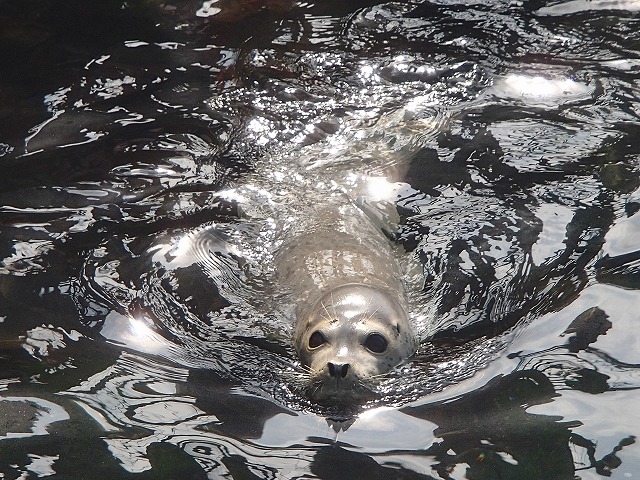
157, 155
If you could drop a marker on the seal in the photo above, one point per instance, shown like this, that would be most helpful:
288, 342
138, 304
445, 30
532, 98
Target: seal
351, 320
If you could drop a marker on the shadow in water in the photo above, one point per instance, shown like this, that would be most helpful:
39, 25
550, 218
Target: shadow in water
491, 434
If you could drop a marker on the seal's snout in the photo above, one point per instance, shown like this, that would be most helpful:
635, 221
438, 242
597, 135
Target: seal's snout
338, 370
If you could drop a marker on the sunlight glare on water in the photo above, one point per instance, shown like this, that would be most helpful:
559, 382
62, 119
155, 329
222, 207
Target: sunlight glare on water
172, 170
541, 91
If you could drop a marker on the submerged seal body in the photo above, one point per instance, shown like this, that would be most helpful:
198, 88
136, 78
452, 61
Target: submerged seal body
351, 322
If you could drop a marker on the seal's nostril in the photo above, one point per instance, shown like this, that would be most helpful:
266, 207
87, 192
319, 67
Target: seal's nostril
338, 369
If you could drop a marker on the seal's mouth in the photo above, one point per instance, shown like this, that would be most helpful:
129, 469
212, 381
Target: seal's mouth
337, 391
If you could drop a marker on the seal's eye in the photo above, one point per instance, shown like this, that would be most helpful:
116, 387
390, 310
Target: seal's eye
316, 339
376, 343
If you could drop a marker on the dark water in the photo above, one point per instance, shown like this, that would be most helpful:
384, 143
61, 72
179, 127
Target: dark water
155, 155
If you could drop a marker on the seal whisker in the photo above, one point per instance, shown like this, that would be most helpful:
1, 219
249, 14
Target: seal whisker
301, 367
315, 388
370, 316
326, 310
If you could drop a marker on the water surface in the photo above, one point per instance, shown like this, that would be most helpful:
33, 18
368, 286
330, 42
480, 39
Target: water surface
156, 155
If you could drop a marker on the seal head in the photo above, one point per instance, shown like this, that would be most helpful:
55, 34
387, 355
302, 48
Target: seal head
352, 334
